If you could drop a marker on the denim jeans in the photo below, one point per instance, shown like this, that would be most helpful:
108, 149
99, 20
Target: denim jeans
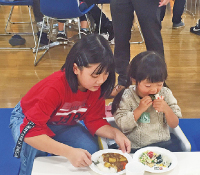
76, 136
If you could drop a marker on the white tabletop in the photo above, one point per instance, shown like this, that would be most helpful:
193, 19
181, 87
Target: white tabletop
188, 164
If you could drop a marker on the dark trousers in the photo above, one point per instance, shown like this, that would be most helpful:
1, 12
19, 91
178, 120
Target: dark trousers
174, 144
148, 14
177, 11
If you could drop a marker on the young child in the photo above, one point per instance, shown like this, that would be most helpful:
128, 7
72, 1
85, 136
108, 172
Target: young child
145, 121
48, 117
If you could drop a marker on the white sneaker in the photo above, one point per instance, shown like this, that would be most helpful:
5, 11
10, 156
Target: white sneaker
106, 36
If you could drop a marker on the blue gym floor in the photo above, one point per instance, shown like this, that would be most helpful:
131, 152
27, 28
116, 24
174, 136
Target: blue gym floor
10, 165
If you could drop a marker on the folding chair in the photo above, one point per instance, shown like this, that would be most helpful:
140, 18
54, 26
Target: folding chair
58, 10
192, 7
14, 3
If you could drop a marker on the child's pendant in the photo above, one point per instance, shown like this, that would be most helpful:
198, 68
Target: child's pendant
144, 118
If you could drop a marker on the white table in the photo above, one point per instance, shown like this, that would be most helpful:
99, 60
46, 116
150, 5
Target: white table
188, 164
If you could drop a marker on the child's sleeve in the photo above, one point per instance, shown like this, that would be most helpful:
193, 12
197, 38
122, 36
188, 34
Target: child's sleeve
172, 102
124, 116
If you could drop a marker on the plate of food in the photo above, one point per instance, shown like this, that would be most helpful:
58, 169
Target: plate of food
156, 159
110, 162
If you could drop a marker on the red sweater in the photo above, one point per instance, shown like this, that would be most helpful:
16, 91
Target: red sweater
51, 101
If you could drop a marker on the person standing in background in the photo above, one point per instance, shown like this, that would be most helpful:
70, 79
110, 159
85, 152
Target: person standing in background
177, 13
148, 13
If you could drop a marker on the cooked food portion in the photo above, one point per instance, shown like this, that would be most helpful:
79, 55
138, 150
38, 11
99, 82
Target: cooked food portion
111, 162
154, 160
154, 96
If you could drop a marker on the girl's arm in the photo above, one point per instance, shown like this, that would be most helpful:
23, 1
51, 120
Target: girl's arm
78, 157
110, 132
172, 119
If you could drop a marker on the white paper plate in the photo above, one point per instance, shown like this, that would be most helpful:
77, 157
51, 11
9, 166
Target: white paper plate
157, 150
97, 154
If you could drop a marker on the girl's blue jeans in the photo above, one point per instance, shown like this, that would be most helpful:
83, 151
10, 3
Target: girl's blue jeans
76, 136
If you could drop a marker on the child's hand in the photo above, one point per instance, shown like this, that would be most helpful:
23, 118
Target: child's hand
160, 105
163, 2
79, 157
145, 102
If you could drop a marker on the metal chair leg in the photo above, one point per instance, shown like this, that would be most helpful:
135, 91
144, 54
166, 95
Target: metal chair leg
33, 32
100, 19
9, 21
38, 45
10, 33
79, 28
187, 10
10, 14
45, 47
89, 23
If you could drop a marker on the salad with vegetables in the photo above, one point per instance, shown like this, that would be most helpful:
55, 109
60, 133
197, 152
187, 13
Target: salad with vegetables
154, 160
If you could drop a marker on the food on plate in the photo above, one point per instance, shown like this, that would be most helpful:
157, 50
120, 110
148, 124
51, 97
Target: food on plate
154, 160
111, 162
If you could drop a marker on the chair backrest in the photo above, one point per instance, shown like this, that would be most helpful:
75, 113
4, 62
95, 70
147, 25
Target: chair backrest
61, 9
185, 144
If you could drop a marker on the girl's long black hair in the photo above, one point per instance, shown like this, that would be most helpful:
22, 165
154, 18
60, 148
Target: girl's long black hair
146, 65
91, 49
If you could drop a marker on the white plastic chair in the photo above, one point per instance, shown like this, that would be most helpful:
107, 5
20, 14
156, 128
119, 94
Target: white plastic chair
185, 144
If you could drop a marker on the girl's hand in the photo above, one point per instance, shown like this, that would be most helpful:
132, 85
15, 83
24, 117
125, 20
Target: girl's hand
123, 142
79, 157
163, 2
145, 102
160, 105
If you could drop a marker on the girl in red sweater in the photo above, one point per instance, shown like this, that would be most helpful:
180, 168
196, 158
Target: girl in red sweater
47, 119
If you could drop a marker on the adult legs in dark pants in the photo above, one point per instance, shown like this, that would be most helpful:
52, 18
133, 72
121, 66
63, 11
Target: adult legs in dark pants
122, 18
148, 14
177, 13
